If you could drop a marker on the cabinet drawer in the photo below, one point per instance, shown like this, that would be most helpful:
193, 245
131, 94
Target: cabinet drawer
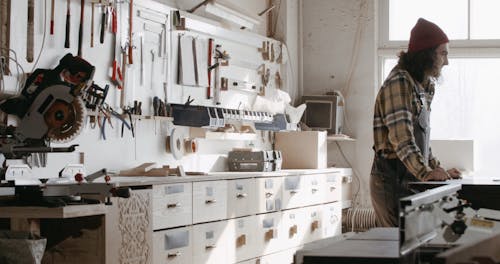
282, 257
269, 237
243, 238
241, 199
173, 246
333, 186
293, 227
314, 222
315, 189
172, 205
210, 243
332, 218
209, 201
268, 194
294, 192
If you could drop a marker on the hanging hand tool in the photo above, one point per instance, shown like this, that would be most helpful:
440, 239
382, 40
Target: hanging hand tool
128, 112
153, 54
124, 76
31, 31
116, 75
103, 22
52, 17
80, 29
130, 23
142, 61
68, 16
92, 26
210, 49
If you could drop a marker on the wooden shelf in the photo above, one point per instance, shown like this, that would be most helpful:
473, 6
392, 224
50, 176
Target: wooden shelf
69, 211
339, 138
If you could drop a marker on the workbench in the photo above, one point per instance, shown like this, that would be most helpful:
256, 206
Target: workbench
223, 217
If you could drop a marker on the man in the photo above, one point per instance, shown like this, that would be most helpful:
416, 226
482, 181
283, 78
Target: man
401, 123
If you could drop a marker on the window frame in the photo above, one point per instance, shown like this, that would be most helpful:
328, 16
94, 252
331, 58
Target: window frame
483, 48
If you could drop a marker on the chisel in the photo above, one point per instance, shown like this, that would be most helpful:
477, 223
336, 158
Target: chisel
68, 16
52, 18
31, 31
130, 23
103, 23
92, 26
80, 29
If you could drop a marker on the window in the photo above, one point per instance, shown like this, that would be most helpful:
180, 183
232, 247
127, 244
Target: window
467, 100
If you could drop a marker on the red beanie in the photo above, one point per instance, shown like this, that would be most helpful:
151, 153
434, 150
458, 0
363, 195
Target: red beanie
424, 35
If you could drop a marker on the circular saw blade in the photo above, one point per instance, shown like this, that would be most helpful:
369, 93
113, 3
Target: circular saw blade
65, 120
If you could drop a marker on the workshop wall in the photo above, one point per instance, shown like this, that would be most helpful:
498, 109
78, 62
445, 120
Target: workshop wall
339, 53
119, 151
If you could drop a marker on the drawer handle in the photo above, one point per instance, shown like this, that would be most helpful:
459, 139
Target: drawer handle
314, 190
210, 247
173, 205
241, 241
269, 235
332, 189
241, 195
292, 231
210, 201
314, 225
293, 192
268, 194
173, 255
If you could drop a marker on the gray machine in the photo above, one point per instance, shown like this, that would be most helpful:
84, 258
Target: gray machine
245, 160
324, 112
432, 223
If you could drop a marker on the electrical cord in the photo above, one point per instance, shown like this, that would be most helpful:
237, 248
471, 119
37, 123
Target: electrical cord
352, 66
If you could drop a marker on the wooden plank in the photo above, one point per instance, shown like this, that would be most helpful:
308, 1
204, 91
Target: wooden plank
70, 211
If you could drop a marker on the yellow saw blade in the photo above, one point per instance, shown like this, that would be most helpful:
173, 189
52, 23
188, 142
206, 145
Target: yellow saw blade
65, 120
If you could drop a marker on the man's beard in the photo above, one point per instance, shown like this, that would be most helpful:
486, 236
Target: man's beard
437, 77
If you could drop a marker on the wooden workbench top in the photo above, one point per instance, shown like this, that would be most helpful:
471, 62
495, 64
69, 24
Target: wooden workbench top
69, 211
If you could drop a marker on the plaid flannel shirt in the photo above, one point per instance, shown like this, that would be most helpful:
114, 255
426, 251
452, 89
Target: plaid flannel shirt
396, 110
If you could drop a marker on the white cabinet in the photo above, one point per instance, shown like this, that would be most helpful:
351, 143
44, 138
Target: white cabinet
246, 220
172, 205
210, 243
243, 238
241, 198
269, 194
209, 201
173, 246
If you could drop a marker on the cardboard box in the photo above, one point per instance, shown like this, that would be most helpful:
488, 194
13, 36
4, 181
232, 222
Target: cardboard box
302, 149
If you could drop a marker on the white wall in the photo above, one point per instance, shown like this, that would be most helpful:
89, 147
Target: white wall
116, 153
335, 59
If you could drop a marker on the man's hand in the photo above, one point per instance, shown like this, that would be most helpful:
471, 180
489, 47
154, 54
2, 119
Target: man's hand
454, 173
437, 174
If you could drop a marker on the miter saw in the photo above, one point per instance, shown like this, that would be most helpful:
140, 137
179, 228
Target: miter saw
51, 108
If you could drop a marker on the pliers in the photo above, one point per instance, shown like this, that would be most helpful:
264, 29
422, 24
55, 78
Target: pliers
124, 122
128, 111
